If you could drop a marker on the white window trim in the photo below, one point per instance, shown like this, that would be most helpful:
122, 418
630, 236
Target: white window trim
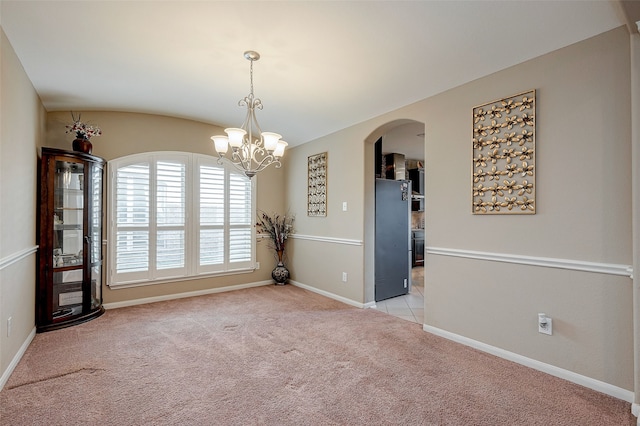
191, 270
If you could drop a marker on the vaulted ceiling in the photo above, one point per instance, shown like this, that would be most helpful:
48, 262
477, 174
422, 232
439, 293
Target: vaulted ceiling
325, 65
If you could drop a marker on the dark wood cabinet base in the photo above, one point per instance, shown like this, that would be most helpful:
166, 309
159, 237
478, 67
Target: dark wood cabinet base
74, 320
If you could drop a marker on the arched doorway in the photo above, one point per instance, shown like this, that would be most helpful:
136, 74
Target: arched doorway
399, 135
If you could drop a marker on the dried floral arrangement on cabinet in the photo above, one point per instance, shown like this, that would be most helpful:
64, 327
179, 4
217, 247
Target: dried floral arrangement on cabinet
504, 156
317, 185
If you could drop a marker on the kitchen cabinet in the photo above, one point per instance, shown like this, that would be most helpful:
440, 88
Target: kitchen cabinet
417, 189
417, 247
69, 276
417, 181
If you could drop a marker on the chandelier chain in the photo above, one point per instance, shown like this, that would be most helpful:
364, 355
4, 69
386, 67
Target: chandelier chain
251, 77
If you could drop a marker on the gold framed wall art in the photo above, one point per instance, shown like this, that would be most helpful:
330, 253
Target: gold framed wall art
504, 156
317, 185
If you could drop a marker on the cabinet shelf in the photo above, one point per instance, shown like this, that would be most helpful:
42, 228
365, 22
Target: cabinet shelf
69, 275
67, 268
75, 191
64, 227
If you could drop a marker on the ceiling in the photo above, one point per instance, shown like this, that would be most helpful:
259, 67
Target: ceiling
325, 65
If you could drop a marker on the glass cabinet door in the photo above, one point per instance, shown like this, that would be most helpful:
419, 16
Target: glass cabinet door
68, 238
95, 235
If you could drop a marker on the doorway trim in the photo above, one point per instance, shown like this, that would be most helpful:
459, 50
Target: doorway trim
369, 204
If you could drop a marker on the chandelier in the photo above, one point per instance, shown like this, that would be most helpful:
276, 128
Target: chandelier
252, 150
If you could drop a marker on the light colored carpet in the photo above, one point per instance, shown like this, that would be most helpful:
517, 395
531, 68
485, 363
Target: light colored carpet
279, 355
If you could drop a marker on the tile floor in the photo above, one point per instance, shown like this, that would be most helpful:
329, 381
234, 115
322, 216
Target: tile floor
411, 306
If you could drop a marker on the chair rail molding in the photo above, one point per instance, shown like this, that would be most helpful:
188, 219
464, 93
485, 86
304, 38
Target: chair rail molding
332, 240
17, 256
546, 262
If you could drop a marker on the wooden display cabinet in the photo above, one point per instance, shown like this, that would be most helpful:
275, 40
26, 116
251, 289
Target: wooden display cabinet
69, 276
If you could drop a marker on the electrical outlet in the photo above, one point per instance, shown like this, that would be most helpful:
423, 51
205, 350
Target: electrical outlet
344, 277
9, 326
545, 324
405, 283
344, 206
257, 265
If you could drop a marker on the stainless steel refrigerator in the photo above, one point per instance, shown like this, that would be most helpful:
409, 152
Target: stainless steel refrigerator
393, 242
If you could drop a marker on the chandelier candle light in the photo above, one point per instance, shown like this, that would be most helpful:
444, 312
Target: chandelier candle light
250, 153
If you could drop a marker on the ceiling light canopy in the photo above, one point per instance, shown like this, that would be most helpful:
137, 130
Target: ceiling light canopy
252, 150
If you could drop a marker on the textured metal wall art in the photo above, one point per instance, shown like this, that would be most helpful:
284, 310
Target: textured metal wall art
317, 187
504, 156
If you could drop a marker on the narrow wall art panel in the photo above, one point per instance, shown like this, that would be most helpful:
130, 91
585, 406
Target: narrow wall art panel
504, 156
317, 185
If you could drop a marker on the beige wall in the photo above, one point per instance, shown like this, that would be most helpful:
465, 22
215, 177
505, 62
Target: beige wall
583, 156
130, 133
21, 131
635, 142
583, 213
308, 259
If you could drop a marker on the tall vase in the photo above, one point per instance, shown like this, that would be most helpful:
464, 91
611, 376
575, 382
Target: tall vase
280, 273
82, 145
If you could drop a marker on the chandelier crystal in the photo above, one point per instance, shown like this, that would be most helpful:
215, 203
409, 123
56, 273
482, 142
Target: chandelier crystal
252, 150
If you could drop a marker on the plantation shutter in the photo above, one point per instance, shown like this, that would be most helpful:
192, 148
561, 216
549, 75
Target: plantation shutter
132, 222
170, 216
212, 215
240, 218
175, 215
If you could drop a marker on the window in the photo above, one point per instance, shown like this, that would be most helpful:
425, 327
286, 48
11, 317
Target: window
177, 215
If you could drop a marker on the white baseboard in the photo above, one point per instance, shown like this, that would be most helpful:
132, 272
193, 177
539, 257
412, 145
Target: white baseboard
635, 410
125, 303
331, 295
570, 376
16, 359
